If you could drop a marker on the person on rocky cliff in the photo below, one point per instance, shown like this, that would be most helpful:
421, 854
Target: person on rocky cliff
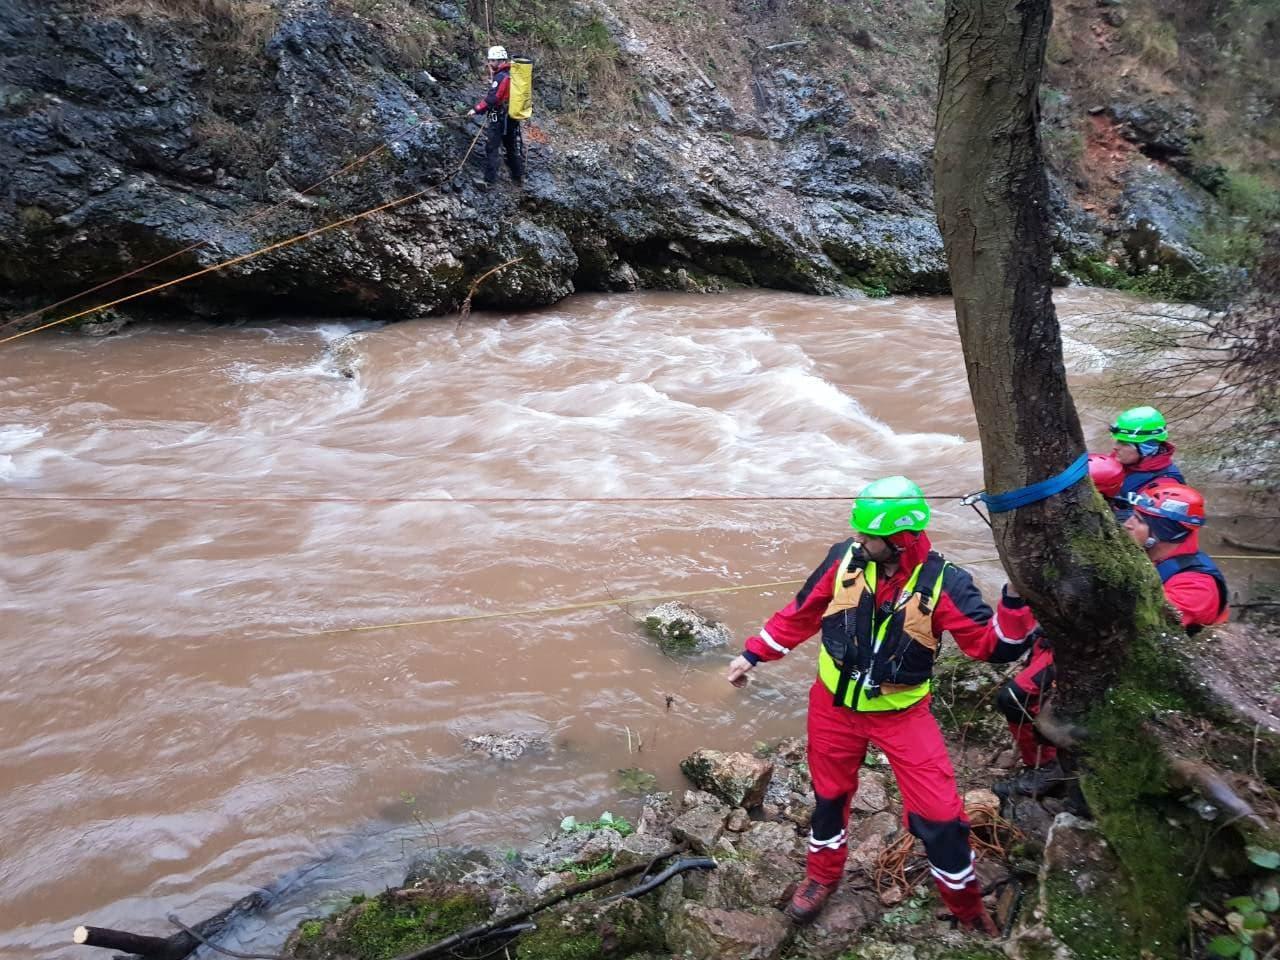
1143, 449
502, 132
882, 600
1165, 520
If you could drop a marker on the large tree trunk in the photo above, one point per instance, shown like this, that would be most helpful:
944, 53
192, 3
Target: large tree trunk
1093, 591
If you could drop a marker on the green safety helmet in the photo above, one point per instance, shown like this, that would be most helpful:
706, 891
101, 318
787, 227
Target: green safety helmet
1140, 425
889, 506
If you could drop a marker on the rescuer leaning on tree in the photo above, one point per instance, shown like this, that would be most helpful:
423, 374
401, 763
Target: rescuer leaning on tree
882, 600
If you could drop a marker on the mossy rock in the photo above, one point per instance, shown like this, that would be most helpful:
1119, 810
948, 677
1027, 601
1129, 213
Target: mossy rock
592, 931
392, 923
679, 629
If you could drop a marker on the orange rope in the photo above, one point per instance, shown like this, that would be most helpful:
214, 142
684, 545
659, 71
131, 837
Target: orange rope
261, 214
288, 242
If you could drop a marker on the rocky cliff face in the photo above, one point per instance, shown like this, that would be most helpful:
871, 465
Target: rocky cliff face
748, 142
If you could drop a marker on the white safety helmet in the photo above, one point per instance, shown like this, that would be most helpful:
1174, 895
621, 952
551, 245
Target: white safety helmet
498, 53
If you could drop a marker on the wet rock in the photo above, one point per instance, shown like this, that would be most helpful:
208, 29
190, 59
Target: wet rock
344, 358
764, 882
766, 838
846, 915
553, 881
393, 922
681, 629
701, 826
1081, 870
1163, 130
893, 895
575, 847
656, 815
884, 824
642, 846
104, 323
707, 933
872, 795
739, 779
1161, 214
869, 837
506, 746
617, 929
1029, 817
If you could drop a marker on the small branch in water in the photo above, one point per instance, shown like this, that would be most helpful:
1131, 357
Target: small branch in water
173, 918
465, 309
176, 947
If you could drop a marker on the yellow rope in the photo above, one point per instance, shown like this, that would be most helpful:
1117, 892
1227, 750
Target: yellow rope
564, 608
613, 602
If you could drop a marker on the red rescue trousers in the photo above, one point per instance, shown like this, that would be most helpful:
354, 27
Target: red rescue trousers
931, 807
1019, 700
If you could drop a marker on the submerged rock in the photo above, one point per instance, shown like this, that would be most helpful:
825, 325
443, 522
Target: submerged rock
681, 629
507, 746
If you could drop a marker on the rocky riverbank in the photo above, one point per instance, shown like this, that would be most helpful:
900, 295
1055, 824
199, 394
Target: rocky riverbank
749, 814
758, 146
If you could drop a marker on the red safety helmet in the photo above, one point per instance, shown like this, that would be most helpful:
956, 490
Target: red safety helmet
1107, 474
1173, 501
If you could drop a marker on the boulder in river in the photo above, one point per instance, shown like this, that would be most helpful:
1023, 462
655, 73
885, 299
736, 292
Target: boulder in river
681, 629
507, 746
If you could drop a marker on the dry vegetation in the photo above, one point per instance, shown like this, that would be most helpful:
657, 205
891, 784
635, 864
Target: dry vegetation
244, 25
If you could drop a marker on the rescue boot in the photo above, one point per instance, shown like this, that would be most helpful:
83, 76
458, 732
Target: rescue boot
1032, 782
808, 900
982, 924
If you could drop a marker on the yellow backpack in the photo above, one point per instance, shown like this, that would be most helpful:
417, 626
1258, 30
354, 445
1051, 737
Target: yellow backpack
520, 104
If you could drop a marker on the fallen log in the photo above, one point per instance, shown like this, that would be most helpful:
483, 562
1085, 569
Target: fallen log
175, 947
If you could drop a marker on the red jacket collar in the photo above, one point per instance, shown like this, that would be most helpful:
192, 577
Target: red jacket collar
1154, 463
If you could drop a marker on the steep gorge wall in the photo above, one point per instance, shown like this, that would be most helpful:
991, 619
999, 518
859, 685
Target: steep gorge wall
678, 145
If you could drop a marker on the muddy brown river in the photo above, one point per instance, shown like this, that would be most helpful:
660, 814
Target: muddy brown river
175, 728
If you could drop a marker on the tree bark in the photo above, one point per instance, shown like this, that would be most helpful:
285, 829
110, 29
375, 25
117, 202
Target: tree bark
1094, 592
992, 202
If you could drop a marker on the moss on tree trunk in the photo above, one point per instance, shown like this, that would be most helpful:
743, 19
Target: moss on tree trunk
1094, 592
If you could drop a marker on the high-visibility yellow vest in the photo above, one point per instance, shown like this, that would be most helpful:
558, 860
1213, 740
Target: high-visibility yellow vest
917, 623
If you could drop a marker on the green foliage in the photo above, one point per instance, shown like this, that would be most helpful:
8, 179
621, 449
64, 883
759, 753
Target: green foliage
568, 44
673, 636
607, 819
1165, 283
1252, 919
915, 909
390, 924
